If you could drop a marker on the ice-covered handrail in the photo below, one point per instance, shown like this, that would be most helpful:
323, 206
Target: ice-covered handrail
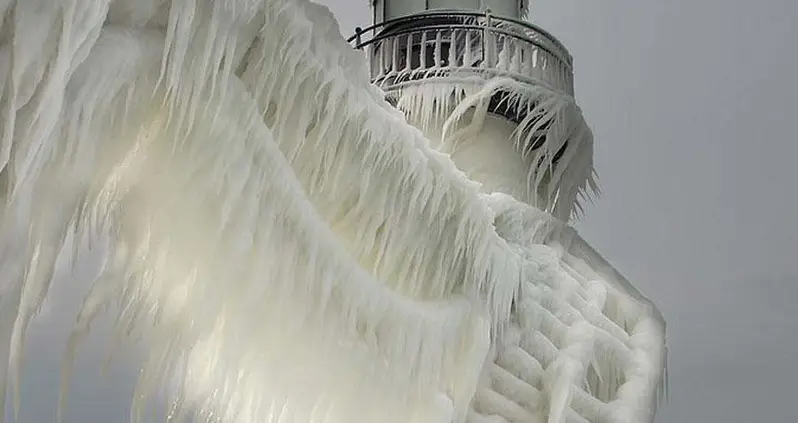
591, 343
407, 49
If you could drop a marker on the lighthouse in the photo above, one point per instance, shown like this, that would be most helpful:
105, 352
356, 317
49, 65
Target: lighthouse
488, 88
496, 93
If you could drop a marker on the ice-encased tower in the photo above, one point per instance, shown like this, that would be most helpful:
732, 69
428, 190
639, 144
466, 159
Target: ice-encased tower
497, 94
494, 91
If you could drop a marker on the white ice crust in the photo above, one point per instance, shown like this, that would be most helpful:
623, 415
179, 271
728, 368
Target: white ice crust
287, 245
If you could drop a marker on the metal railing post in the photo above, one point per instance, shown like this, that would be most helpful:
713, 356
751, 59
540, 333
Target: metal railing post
358, 38
487, 41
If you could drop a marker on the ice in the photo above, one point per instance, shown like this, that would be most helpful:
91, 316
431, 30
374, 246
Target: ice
286, 244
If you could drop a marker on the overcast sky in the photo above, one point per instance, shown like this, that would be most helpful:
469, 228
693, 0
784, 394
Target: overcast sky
693, 104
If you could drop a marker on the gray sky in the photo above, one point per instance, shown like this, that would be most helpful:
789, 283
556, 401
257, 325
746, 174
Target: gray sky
693, 104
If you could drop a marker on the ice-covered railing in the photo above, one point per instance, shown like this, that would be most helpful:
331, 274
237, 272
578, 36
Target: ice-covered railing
588, 349
448, 44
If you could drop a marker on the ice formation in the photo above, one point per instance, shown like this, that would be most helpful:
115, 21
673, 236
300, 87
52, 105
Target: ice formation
288, 246
513, 158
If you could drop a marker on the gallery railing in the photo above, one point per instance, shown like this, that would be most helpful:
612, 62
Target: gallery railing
463, 44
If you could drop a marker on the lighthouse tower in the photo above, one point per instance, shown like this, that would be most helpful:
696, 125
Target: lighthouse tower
493, 91
496, 93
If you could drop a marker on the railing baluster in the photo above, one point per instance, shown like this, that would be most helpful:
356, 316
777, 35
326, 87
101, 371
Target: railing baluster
452, 49
381, 50
516, 55
438, 53
394, 55
467, 60
504, 63
487, 43
423, 59
370, 59
526, 60
409, 53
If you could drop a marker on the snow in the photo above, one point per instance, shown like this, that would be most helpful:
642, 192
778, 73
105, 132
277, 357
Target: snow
287, 245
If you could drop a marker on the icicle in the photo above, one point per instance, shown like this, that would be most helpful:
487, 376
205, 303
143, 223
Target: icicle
551, 120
